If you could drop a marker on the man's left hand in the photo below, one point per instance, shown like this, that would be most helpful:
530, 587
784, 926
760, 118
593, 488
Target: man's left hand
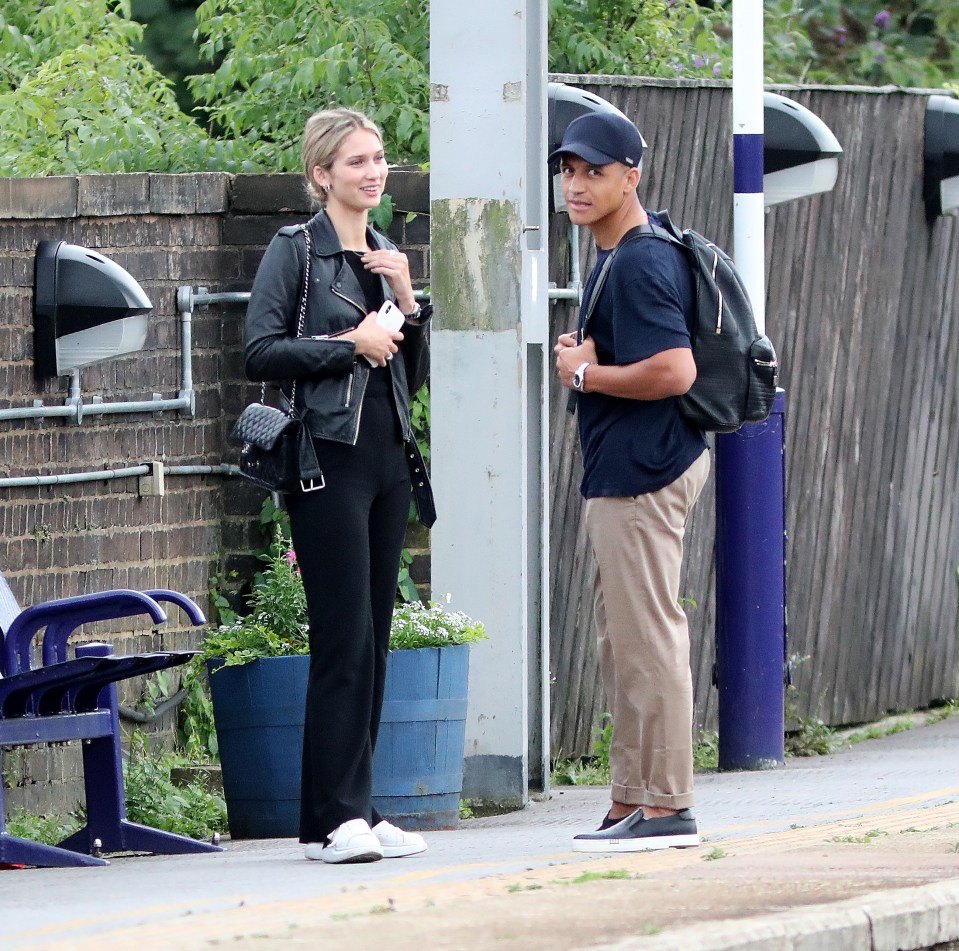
569, 356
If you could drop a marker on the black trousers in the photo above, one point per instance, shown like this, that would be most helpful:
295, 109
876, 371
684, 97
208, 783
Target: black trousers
348, 539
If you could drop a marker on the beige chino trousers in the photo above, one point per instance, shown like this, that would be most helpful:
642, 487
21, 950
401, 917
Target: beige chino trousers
643, 638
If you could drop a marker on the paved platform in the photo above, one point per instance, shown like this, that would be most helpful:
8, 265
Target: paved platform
856, 850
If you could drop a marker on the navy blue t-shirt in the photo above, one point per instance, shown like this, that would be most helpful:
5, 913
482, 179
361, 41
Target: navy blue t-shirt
631, 447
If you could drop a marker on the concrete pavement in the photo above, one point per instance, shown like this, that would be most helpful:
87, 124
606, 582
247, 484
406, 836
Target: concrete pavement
856, 850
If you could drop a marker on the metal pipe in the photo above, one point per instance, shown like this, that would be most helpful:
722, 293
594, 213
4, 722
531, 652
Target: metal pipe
72, 477
107, 475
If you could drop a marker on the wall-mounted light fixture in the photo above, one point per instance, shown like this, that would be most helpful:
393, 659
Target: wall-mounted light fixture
800, 153
940, 173
86, 308
565, 103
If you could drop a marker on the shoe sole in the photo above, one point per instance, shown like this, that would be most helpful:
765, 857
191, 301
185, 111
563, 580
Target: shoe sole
350, 856
638, 844
401, 851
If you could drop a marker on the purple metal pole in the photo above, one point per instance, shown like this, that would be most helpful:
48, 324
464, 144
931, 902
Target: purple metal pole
751, 592
750, 513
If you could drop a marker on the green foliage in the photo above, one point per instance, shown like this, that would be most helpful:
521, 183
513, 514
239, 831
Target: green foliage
808, 735
75, 98
902, 42
706, 752
168, 41
637, 37
154, 800
276, 624
276, 61
196, 729
420, 420
603, 735
77, 94
581, 771
49, 830
405, 584
588, 770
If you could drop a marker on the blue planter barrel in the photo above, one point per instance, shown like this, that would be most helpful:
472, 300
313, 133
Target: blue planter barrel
418, 761
418, 764
258, 708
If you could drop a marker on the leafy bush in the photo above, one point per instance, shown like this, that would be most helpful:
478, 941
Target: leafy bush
277, 61
154, 800
75, 98
48, 830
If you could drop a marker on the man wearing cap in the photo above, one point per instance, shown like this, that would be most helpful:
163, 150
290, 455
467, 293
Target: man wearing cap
644, 466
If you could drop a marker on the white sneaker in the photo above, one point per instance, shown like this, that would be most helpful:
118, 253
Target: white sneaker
395, 842
353, 841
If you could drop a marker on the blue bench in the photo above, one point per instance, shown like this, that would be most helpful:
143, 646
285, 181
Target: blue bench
66, 699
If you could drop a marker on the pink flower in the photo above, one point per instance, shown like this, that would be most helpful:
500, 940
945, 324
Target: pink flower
290, 557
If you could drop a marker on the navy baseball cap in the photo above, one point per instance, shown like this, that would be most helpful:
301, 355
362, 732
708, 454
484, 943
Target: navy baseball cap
600, 138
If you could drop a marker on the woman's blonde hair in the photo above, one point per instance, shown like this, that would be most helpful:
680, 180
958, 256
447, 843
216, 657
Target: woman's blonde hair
322, 137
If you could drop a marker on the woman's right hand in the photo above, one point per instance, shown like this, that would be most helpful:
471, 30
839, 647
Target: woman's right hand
374, 341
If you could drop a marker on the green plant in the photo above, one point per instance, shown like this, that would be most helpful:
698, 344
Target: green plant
430, 625
714, 854
582, 771
405, 583
636, 37
706, 751
809, 735
196, 735
865, 839
603, 741
77, 98
277, 625
276, 61
153, 799
48, 830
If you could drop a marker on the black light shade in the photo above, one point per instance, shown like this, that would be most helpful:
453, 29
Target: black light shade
800, 152
86, 309
940, 174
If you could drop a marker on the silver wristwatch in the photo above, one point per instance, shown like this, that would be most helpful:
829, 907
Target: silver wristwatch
579, 376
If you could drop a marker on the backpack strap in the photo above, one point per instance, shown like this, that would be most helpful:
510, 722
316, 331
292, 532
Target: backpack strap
648, 230
597, 289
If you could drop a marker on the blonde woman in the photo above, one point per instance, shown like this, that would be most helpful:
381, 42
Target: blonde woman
354, 380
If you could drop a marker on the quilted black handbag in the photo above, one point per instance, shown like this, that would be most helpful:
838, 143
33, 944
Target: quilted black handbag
269, 447
276, 451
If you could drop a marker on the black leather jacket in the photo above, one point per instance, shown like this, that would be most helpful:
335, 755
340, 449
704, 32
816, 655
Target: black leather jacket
330, 380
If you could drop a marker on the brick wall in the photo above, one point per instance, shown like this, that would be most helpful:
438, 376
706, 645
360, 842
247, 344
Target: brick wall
168, 231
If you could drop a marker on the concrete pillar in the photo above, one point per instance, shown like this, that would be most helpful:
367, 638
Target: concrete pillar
489, 366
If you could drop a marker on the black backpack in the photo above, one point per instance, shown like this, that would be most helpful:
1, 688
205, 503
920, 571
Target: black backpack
736, 366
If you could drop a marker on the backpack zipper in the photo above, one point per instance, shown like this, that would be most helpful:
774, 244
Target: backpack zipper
719, 313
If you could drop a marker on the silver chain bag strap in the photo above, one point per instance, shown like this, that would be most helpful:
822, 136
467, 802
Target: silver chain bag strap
276, 451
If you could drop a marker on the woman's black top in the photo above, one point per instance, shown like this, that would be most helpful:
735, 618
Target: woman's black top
380, 383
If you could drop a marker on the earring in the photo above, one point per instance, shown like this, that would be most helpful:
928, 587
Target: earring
326, 188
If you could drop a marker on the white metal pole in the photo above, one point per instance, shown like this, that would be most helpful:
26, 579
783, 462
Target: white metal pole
748, 213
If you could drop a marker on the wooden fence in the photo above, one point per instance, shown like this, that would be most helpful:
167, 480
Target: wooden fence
862, 305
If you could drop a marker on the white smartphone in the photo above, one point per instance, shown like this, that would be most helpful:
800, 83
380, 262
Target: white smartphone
390, 317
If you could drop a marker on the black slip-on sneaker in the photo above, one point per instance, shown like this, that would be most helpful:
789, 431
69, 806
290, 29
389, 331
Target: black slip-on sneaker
637, 834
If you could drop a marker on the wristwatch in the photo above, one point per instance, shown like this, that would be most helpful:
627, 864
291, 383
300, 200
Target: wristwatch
414, 314
579, 377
